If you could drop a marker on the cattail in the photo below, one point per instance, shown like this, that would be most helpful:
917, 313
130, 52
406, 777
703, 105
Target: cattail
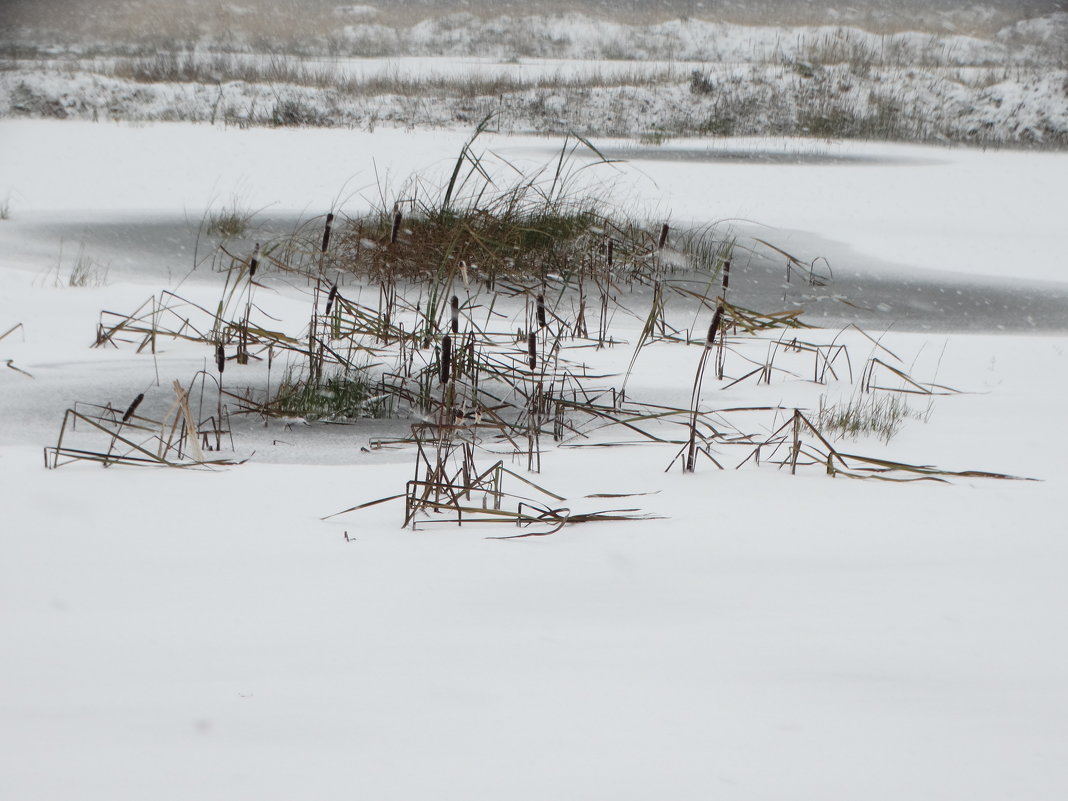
541, 311
326, 232
255, 261
611, 251
396, 227
446, 358
454, 310
663, 236
532, 350
220, 358
133, 407
726, 274
330, 299
714, 328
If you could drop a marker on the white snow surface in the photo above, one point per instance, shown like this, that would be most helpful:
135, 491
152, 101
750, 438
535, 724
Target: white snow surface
174, 634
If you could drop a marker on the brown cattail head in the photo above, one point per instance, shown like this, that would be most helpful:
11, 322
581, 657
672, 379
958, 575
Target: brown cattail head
255, 261
611, 251
664, 229
532, 350
454, 311
446, 358
396, 227
714, 328
133, 407
326, 232
220, 358
541, 311
726, 274
330, 298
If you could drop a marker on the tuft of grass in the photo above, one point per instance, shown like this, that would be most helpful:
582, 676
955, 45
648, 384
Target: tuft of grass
343, 395
870, 415
229, 222
5, 209
540, 225
87, 272
292, 112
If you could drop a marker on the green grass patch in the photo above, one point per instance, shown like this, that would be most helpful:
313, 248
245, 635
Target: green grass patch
339, 396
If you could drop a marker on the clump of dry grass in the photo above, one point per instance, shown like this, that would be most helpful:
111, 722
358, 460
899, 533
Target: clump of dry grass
507, 242
230, 221
87, 272
536, 226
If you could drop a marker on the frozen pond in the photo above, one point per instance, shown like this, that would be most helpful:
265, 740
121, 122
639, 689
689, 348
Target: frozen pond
162, 251
911, 239
934, 209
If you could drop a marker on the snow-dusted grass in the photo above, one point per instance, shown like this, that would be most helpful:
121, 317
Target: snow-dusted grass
1024, 108
171, 634
560, 73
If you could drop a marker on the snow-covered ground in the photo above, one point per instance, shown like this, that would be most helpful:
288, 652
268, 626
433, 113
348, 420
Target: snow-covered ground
177, 634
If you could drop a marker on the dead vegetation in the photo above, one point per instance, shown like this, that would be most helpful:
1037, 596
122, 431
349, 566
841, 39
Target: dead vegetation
10, 363
109, 436
489, 303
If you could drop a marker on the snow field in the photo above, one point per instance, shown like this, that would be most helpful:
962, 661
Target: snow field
188, 633
175, 633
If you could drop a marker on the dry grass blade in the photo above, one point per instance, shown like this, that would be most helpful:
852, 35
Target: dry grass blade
793, 262
12, 330
366, 505
558, 518
912, 386
887, 465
